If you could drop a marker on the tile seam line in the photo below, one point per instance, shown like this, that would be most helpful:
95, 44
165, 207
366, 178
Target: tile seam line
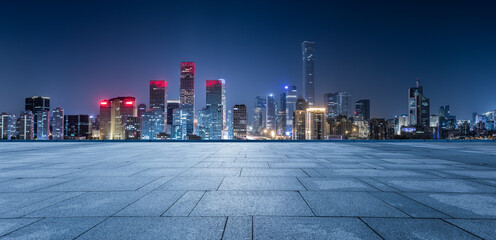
42, 218
373, 230
461, 228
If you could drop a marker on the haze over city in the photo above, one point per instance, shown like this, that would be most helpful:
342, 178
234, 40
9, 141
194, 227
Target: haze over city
79, 53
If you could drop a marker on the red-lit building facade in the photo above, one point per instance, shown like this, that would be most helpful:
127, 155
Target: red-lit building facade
114, 113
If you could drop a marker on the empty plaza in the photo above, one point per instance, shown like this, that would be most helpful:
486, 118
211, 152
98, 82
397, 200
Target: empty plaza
248, 190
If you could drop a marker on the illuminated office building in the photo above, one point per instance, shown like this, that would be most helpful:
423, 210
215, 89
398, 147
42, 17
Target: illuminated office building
271, 109
187, 96
315, 122
299, 117
308, 54
113, 114
362, 110
239, 121
37, 104
58, 124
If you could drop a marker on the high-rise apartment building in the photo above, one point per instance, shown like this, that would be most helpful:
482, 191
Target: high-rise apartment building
291, 97
7, 126
271, 110
113, 114
187, 95
308, 51
315, 122
25, 126
42, 125
58, 124
239, 121
362, 110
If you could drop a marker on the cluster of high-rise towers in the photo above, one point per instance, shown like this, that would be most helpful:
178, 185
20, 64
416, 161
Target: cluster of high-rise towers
295, 115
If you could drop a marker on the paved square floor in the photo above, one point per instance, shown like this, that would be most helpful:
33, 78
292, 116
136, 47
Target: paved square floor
256, 190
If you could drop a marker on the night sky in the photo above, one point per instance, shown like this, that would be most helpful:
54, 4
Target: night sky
79, 52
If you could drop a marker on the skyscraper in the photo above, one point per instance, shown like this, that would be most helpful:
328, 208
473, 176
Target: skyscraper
42, 125
158, 104
36, 104
152, 124
419, 109
259, 115
281, 115
315, 121
239, 121
271, 109
362, 110
215, 98
291, 97
225, 125
337, 103
113, 113
187, 95
141, 109
7, 126
171, 105
24, 126
299, 121
308, 50
179, 124
58, 124
77, 127
344, 104
377, 128
158, 94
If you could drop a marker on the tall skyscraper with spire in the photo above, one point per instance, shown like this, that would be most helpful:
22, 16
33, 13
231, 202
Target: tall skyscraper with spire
419, 108
187, 95
308, 50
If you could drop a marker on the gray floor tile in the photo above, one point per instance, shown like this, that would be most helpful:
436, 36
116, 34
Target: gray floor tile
459, 205
102, 184
360, 204
261, 183
10, 225
483, 228
158, 228
192, 183
55, 228
151, 205
311, 228
272, 172
335, 184
416, 229
247, 203
238, 228
92, 204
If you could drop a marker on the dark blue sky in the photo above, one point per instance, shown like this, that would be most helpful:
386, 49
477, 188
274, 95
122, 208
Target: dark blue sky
78, 52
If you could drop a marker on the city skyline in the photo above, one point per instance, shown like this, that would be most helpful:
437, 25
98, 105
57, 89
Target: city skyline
362, 57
